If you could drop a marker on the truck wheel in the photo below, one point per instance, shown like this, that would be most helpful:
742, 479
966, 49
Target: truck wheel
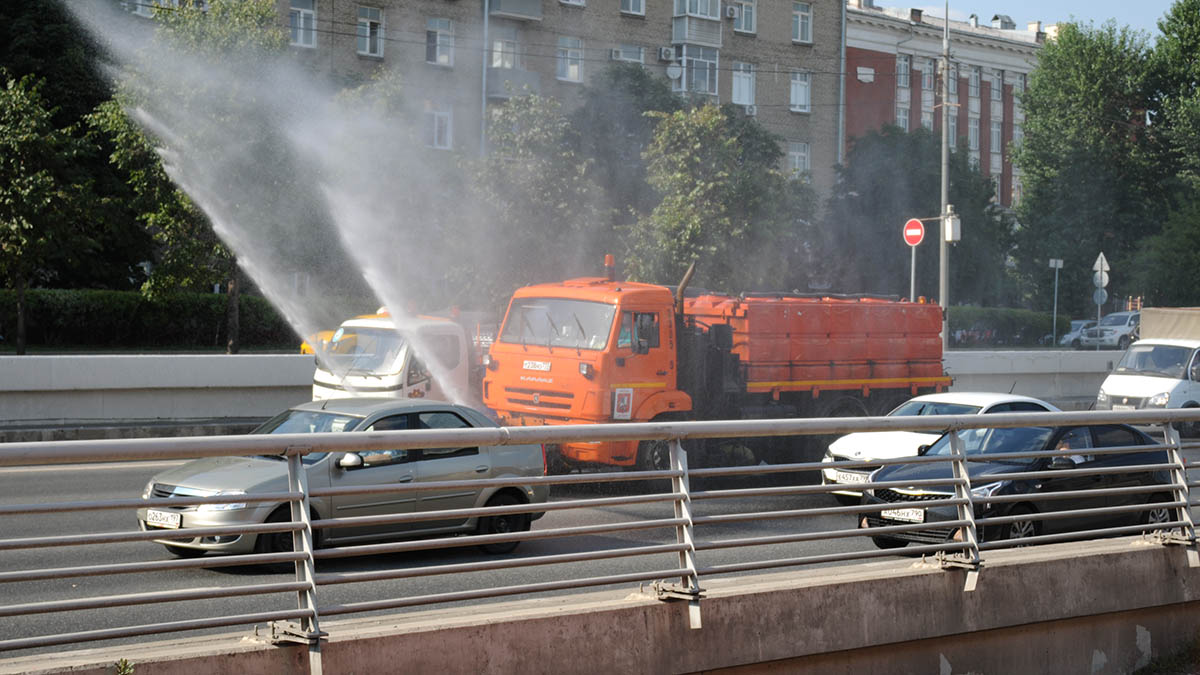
654, 455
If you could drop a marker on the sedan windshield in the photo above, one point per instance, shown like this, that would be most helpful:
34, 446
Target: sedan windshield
913, 408
995, 441
1155, 360
555, 322
307, 422
364, 351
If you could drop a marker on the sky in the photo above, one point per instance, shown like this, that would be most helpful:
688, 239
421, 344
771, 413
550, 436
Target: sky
1142, 15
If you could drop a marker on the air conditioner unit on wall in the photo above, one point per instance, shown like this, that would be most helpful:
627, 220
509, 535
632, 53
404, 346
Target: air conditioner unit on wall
751, 110
731, 12
614, 54
666, 53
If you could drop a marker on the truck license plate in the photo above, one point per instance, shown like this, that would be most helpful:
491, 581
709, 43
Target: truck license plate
168, 519
906, 515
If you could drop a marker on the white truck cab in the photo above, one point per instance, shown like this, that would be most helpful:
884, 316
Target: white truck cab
368, 356
1162, 370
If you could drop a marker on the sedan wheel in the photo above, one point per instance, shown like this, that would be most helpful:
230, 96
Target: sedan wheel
1021, 529
1158, 514
503, 524
275, 542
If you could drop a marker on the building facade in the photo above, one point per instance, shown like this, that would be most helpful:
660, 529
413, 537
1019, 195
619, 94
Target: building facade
893, 63
779, 60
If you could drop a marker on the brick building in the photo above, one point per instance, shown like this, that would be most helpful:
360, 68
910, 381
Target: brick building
892, 66
778, 59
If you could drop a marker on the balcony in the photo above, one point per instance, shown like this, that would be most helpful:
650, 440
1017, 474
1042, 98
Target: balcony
504, 83
521, 10
694, 30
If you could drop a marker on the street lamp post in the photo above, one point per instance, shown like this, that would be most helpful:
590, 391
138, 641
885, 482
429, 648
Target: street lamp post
1056, 264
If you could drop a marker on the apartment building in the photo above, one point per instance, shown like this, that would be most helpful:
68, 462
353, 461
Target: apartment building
779, 60
893, 61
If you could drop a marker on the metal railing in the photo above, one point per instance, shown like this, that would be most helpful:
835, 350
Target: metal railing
690, 557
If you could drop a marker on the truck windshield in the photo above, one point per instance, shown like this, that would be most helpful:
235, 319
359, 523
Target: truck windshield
370, 351
307, 422
1155, 360
555, 322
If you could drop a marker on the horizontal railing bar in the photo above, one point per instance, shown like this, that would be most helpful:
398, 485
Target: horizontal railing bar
731, 568
815, 536
1069, 494
424, 486
494, 510
1054, 473
66, 452
1058, 515
354, 577
109, 601
473, 540
149, 566
1034, 454
147, 535
502, 591
151, 629
135, 503
824, 511
1076, 536
816, 489
804, 466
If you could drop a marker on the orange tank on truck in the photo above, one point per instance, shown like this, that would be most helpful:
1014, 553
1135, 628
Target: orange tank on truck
598, 350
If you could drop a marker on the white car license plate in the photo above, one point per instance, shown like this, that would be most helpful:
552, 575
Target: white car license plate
907, 515
847, 477
1123, 408
163, 519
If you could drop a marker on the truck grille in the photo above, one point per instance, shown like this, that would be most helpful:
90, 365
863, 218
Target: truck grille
540, 398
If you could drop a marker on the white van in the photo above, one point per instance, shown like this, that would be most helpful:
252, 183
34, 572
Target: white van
1162, 370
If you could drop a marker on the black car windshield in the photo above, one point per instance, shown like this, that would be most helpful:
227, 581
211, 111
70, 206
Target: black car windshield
995, 441
555, 322
913, 408
1155, 360
307, 422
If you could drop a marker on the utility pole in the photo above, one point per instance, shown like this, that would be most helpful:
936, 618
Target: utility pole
943, 243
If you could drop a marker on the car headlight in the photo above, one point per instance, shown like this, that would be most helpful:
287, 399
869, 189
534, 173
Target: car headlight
223, 507
987, 490
1102, 396
148, 489
1159, 400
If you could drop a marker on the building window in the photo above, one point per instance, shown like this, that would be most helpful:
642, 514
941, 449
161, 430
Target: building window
579, 3
1018, 135
632, 53
302, 20
902, 117
633, 6
140, 7
953, 129
439, 42
927, 120
708, 9
370, 31
954, 81
570, 59
801, 95
744, 22
801, 22
996, 138
903, 69
973, 134
973, 83
699, 70
927, 75
1018, 83
797, 158
438, 127
995, 168
504, 50
743, 83
997, 85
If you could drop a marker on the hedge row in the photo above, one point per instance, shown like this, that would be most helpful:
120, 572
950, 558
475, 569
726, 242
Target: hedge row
1001, 327
89, 318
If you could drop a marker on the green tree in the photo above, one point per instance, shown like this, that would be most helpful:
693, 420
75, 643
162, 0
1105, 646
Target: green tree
42, 194
1093, 181
1176, 78
1168, 264
725, 204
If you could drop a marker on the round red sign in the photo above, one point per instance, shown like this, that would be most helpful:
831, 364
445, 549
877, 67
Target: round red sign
914, 232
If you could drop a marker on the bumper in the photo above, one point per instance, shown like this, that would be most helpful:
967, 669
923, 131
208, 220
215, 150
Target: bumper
226, 543
848, 482
934, 534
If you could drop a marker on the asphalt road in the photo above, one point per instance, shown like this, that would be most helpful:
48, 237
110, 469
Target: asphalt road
116, 481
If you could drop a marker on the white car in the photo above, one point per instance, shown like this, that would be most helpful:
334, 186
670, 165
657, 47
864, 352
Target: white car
1115, 331
875, 445
1074, 336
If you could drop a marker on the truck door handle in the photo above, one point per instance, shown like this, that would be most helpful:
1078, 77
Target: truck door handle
660, 372
481, 469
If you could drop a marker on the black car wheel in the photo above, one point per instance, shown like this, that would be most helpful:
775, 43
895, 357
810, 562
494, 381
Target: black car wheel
1021, 529
1158, 514
886, 543
503, 524
181, 552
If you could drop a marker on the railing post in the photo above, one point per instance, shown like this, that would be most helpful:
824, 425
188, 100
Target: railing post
302, 540
689, 587
962, 490
1182, 494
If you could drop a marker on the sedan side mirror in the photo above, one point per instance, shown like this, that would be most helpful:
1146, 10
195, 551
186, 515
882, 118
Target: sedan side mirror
1062, 462
350, 460
922, 449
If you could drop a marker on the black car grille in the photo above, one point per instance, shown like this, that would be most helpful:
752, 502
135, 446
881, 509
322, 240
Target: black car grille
891, 496
540, 398
936, 535
160, 491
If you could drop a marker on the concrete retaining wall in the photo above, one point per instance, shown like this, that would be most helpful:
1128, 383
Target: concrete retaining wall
1099, 608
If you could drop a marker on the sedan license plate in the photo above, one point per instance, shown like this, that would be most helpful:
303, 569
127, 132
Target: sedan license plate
907, 515
168, 519
848, 477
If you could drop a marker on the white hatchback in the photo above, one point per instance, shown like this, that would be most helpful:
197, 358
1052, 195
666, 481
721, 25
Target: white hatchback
876, 445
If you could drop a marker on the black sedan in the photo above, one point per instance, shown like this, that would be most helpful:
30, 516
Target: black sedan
988, 448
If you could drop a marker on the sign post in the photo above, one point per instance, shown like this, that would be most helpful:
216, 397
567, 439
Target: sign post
914, 234
1056, 264
1100, 279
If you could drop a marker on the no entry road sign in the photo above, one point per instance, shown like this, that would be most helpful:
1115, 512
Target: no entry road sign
914, 232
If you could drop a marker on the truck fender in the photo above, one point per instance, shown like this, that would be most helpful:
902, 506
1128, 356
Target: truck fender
674, 401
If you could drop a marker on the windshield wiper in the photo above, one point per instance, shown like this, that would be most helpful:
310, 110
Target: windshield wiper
583, 334
551, 336
524, 324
